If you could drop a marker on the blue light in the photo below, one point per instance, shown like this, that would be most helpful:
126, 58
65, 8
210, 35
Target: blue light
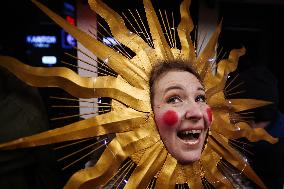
67, 40
68, 6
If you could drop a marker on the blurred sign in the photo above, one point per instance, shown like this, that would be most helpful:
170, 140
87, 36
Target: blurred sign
67, 40
50, 60
41, 41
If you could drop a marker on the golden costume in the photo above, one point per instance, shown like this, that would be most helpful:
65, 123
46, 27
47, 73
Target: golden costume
137, 145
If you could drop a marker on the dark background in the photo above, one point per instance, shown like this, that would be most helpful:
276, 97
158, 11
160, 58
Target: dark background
256, 25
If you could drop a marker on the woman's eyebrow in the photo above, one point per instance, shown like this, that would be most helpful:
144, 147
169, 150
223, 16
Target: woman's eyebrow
201, 89
173, 87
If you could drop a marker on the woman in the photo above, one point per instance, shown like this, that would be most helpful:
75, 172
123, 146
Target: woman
181, 113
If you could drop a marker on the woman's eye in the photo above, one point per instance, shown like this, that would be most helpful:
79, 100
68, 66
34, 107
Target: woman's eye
173, 100
200, 98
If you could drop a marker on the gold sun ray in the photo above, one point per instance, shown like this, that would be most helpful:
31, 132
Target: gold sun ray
239, 130
122, 34
117, 26
124, 120
254, 134
217, 101
229, 65
150, 163
225, 66
105, 168
116, 152
161, 46
184, 29
83, 87
244, 104
165, 179
211, 171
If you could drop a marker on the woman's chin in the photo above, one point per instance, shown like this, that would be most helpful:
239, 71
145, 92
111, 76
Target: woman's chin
191, 158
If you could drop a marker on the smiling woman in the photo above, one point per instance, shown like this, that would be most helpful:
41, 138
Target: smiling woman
180, 109
166, 146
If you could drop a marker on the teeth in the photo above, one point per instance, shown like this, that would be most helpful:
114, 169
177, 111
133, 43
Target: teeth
196, 131
192, 132
190, 135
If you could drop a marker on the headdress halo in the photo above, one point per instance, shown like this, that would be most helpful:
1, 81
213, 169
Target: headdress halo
137, 144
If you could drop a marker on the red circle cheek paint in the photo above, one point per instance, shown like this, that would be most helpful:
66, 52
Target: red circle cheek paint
209, 113
170, 117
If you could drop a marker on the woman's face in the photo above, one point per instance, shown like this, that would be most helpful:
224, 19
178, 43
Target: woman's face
181, 114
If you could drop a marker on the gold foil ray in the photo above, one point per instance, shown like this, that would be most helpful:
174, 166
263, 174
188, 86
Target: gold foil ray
150, 163
111, 122
184, 29
165, 178
161, 46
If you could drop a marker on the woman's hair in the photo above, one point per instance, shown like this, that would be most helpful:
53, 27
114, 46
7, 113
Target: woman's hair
164, 67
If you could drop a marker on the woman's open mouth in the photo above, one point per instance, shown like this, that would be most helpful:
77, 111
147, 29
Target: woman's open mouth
190, 136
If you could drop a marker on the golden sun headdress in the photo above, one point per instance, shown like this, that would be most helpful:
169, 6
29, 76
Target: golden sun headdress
137, 145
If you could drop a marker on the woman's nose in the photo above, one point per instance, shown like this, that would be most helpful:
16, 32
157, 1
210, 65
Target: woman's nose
193, 112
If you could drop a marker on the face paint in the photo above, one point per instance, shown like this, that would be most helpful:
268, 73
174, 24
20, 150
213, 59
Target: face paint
175, 93
209, 113
170, 117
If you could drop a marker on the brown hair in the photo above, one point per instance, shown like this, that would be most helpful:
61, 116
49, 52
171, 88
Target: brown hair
163, 67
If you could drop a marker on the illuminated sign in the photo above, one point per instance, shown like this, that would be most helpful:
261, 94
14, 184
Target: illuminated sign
41, 41
67, 40
49, 60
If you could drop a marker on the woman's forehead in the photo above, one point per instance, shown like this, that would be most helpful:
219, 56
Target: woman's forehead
177, 79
